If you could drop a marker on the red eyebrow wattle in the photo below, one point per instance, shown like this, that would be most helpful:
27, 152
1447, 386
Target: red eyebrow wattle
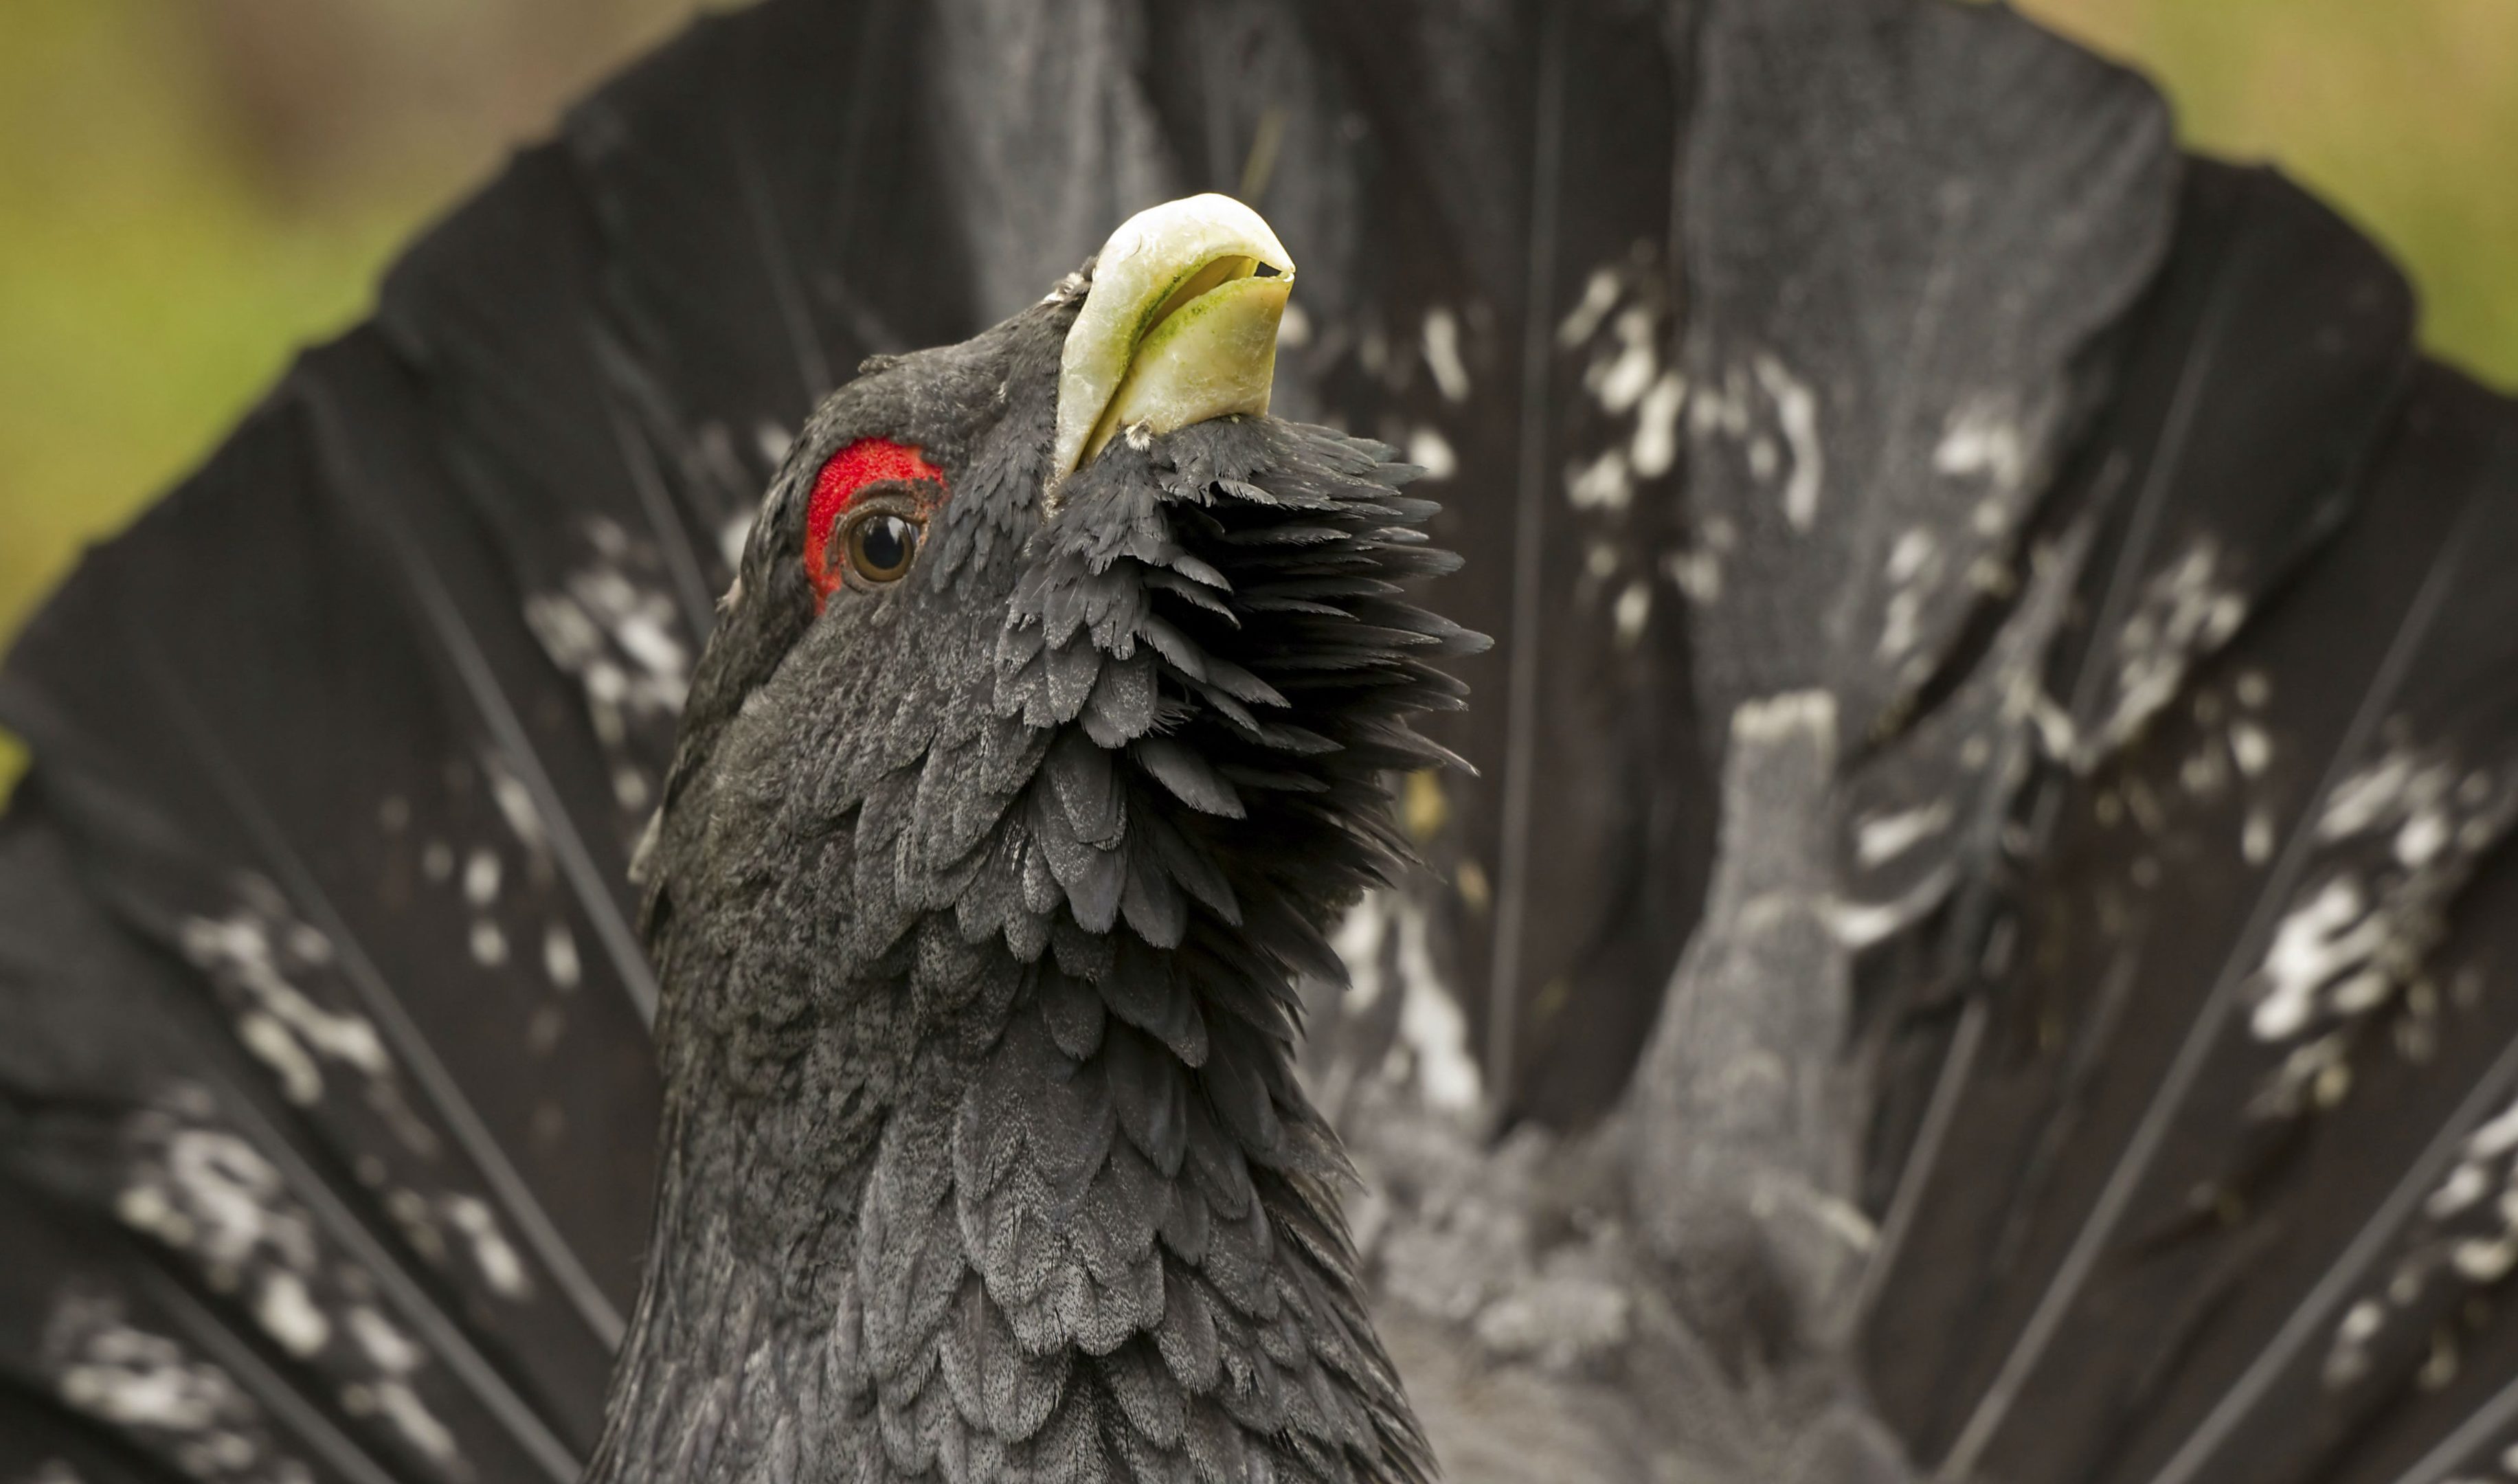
866, 462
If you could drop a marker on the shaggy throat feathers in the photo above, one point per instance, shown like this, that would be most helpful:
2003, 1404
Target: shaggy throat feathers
1045, 738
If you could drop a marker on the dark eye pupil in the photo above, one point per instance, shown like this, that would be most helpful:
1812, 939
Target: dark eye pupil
882, 546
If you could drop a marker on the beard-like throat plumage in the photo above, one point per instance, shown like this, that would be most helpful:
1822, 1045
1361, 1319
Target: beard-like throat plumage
985, 1158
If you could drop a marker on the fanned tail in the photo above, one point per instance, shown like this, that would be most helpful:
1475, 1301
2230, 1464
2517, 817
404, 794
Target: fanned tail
330, 1104
2218, 1192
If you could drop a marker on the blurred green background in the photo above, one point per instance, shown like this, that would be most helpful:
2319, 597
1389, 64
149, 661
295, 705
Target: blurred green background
192, 189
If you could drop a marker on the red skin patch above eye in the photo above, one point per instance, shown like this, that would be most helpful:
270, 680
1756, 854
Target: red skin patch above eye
866, 462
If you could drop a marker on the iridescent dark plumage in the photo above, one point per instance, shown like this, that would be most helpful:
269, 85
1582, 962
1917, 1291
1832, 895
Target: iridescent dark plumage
978, 900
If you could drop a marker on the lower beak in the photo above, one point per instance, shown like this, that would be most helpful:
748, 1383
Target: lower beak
1180, 326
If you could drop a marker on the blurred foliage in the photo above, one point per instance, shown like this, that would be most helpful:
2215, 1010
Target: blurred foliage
2401, 114
191, 188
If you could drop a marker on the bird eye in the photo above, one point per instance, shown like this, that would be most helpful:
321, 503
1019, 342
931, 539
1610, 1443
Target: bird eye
868, 510
881, 544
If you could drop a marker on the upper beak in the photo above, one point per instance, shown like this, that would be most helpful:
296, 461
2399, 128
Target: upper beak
1180, 326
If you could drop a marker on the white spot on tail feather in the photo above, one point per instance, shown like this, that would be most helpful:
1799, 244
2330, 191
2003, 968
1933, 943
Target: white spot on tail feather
1602, 485
1983, 437
1883, 837
1294, 328
1600, 296
500, 1267
1656, 445
1430, 450
481, 877
2187, 610
1633, 611
1430, 1023
612, 625
560, 962
287, 1312
254, 957
1619, 382
1442, 341
1796, 414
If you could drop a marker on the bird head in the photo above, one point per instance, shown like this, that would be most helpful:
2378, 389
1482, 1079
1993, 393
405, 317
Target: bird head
1044, 736
1055, 634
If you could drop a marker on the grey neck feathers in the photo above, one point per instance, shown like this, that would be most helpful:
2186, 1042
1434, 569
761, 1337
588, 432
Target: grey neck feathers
1026, 1188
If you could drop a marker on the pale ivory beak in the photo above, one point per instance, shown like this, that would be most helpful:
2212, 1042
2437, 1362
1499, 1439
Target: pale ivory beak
1178, 326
